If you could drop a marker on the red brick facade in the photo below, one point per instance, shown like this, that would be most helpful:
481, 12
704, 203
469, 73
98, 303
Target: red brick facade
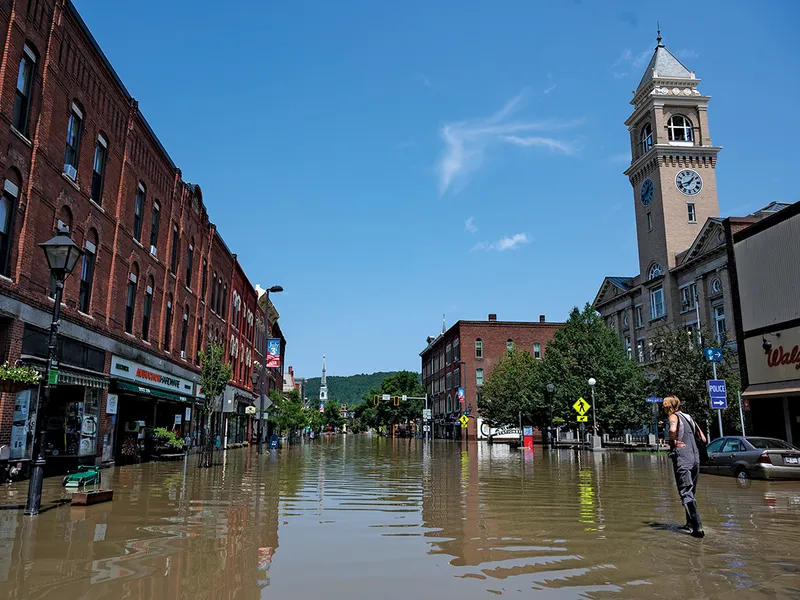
145, 224
480, 345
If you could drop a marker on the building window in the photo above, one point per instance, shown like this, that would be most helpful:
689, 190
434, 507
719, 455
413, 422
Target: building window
647, 138
130, 303
8, 205
649, 221
99, 169
224, 301
639, 317
640, 350
199, 342
148, 306
214, 291
479, 377
87, 276
628, 350
657, 303
509, 345
173, 261
689, 296
679, 129
719, 323
74, 130
655, 271
449, 403
691, 212
625, 318
537, 350
456, 350
138, 212
479, 348
168, 326
716, 286
203, 278
189, 260
22, 102
448, 380
184, 331
154, 228
448, 354
457, 378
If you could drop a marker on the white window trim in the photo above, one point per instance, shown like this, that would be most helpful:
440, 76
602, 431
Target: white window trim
102, 141
31, 54
77, 111
89, 247
132, 277
11, 188
693, 218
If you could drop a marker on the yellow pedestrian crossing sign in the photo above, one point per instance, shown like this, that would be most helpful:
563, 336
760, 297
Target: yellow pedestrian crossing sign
581, 406
464, 420
583, 419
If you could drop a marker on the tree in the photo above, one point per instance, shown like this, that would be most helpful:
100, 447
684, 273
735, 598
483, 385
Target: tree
511, 390
332, 417
682, 371
286, 412
586, 348
402, 383
214, 376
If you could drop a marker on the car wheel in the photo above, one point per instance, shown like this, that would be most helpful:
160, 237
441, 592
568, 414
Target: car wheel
742, 474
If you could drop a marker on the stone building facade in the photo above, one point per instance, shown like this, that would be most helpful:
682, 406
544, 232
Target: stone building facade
156, 282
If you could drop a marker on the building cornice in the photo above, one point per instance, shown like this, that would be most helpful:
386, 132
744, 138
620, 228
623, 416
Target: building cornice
667, 150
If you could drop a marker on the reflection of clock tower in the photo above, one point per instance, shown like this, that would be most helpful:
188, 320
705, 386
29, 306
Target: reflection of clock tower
672, 163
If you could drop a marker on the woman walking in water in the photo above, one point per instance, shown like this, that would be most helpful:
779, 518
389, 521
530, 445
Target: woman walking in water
685, 460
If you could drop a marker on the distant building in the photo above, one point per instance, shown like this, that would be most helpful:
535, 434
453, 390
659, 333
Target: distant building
463, 356
290, 382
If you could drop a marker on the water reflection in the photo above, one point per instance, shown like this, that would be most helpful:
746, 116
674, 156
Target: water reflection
368, 517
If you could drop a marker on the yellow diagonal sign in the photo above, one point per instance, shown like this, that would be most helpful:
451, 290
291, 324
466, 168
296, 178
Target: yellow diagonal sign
581, 406
464, 420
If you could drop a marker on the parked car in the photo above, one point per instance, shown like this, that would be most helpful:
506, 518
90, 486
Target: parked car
752, 457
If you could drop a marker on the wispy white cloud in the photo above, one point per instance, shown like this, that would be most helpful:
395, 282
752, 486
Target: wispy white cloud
686, 54
549, 90
504, 243
466, 142
469, 225
424, 80
629, 61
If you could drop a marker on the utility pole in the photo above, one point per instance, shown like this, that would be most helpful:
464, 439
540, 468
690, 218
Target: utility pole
267, 333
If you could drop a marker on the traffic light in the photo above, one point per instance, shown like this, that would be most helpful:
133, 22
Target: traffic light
396, 400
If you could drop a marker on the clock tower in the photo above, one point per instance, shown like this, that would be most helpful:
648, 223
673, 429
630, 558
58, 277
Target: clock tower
673, 163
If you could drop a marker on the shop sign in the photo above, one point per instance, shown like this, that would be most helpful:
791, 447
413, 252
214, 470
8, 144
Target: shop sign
498, 433
178, 419
111, 404
149, 377
781, 363
273, 353
188, 413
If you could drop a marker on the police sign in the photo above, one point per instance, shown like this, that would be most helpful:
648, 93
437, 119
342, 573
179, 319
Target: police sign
718, 392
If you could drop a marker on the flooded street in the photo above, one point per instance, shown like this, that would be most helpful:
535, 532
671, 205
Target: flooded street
367, 517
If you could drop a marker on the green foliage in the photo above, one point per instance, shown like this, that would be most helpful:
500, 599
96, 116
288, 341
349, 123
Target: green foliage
21, 374
164, 437
214, 375
332, 417
348, 389
385, 413
286, 412
513, 388
682, 371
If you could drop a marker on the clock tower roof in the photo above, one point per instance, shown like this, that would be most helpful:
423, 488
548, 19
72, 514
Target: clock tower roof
664, 65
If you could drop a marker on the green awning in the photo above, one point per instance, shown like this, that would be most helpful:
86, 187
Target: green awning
138, 389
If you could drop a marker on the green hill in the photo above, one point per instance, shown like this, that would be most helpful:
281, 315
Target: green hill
349, 389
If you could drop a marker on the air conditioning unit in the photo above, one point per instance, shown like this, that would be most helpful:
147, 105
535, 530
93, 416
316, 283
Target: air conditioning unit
70, 172
153, 250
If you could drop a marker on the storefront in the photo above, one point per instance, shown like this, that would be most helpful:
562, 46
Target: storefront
766, 289
148, 398
73, 422
238, 424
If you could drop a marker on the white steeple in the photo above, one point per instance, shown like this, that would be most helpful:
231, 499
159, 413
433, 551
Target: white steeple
323, 384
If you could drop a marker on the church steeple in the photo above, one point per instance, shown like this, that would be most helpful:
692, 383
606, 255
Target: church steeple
323, 384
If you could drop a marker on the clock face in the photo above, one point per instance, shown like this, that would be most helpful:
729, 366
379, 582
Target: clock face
646, 193
689, 182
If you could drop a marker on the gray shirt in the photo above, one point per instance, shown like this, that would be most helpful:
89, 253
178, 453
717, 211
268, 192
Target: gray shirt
689, 455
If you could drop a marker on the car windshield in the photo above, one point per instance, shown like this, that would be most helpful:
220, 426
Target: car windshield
770, 444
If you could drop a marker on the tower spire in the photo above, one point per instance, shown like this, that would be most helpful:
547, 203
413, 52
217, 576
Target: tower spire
323, 384
658, 39
444, 327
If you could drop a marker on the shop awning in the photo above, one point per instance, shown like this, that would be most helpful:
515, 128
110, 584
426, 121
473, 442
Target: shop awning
68, 377
778, 388
138, 389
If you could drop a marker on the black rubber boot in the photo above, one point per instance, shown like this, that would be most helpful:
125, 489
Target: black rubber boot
694, 518
688, 526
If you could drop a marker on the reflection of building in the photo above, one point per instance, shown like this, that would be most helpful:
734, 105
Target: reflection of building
156, 283
764, 261
457, 362
683, 267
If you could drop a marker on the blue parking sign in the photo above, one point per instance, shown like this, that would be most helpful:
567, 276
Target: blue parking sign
718, 392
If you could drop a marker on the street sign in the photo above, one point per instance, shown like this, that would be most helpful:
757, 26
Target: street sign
405, 397
426, 428
387, 397
654, 399
581, 406
464, 420
713, 354
718, 393
426, 414
583, 419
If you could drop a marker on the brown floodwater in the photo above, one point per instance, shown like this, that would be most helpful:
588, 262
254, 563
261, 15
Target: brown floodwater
367, 517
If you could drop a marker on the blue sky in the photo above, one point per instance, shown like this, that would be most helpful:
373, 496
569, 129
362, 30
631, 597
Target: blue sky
387, 162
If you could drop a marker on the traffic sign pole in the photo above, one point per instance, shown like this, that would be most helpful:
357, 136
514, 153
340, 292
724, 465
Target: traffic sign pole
719, 410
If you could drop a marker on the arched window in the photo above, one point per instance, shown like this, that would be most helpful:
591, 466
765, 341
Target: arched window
214, 292
449, 403
25, 76
168, 325
184, 330
680, 129
219, 297
655, 271
87, 271
130, 297
175, 241
224, 301
138, 211
64, 223
148, 307
154, 228
509, 345
189, 261
478, 348
537, 350
647, 137
73, 149
199, 342
8, 207
203, 278
99, 169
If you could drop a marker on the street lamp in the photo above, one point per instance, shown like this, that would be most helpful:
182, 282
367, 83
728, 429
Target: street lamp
62, 254
550, 391
267, 331
592, 382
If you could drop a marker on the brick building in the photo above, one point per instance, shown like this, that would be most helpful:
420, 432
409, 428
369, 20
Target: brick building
156, 281
463, 356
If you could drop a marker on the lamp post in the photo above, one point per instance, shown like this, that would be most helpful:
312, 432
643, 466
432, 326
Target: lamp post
550, 391
62, 254
267, 332
592, 382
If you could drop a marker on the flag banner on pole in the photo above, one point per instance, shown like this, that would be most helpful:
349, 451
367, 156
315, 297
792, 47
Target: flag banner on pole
273, 353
